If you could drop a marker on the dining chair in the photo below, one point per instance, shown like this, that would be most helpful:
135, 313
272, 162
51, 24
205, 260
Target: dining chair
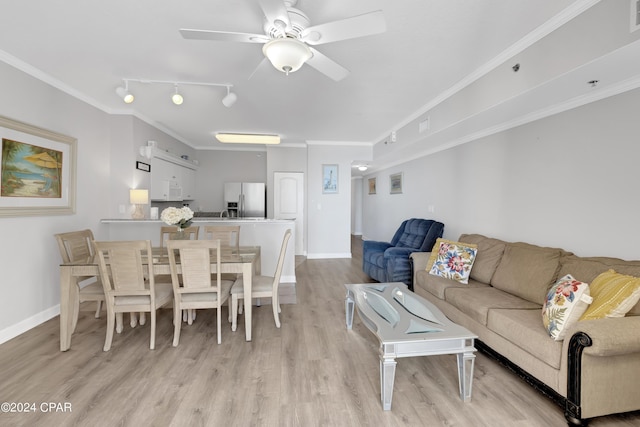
193, 286
262, 287
128, 288
77, 246
229, 236
169, 232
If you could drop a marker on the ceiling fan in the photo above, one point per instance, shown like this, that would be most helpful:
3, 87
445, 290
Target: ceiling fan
289, 36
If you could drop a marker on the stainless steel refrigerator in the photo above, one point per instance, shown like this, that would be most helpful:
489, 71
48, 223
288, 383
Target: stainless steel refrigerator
245, 199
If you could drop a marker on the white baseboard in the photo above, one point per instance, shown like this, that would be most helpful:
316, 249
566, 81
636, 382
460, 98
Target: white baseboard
329, 256
30, 323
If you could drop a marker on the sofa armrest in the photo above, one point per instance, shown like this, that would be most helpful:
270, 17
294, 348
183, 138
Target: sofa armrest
610, 336
420, 260
374, 246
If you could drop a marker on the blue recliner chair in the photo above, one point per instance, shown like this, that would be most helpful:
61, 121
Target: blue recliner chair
389, 262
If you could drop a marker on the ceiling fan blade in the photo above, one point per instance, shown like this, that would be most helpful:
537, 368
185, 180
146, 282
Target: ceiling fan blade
327, 66
260, 66
223, 36
275, 10
349, 28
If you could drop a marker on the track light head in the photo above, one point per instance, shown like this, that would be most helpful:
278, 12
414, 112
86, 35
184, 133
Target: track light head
230, 99
176, 97
123, 92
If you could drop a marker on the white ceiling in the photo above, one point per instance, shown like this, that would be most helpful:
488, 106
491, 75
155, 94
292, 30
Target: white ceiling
86, 48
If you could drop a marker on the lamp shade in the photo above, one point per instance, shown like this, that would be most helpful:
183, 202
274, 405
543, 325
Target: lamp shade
286, 54
139, 197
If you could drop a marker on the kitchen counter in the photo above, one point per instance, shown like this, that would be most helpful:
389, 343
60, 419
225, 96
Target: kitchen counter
264, 232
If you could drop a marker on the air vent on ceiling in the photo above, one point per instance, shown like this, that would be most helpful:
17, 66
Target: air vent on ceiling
635, 14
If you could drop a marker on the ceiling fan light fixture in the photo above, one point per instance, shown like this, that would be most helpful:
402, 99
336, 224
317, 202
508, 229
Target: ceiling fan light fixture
176, 98
240, 138
286, 54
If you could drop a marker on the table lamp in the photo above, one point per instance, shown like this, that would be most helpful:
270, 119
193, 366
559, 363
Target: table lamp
139, 198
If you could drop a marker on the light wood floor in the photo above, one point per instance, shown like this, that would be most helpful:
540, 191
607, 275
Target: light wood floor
311, 372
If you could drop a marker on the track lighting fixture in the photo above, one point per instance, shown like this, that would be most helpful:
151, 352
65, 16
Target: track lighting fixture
176, 97
230, 99
123, 92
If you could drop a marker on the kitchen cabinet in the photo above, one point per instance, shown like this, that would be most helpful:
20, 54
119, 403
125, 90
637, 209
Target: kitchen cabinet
172, 180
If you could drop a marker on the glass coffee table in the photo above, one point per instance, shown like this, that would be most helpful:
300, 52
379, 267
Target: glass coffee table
407, 325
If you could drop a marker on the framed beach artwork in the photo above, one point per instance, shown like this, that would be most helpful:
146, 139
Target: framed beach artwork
37, 171
372, 186
395, 183
329, 179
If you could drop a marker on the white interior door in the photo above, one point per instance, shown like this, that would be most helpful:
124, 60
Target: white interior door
288, 202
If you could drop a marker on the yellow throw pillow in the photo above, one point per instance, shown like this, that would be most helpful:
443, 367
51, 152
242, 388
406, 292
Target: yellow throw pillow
614, 294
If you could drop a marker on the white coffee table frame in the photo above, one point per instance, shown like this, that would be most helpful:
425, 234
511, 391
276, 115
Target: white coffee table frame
384, 308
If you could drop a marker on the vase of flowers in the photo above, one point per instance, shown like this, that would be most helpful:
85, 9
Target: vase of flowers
180, 217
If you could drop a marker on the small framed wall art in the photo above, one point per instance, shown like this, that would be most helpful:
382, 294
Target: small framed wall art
329, 179
372, 186
395, 183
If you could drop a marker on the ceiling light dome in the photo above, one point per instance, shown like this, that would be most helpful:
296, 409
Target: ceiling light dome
176, 97
287, 54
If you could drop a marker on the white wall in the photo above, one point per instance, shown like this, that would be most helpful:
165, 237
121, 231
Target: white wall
217, 167
569, 180
329, 215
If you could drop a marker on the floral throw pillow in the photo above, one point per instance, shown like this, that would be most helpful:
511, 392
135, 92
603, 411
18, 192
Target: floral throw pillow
566, 301
453, 260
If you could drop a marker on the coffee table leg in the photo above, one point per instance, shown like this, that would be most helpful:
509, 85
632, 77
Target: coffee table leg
387, 376
348, 308
466, 362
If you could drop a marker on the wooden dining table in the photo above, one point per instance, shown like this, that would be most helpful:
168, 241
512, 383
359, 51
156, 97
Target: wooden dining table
246, 263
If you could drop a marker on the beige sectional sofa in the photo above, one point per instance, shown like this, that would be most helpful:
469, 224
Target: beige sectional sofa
594, 371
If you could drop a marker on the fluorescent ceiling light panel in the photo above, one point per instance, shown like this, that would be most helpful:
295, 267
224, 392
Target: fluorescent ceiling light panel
239, 138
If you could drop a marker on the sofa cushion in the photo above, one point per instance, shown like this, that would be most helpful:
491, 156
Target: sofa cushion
527, 271
588, 268
614, 294
437, 285
524, 329
476, 302
488, 257
453, 260
566, 301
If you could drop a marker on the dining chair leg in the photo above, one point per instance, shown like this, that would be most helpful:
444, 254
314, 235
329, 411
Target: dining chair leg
143, 318
119, 321
134, 320
110, 326
219, 323
76, 308
152, 342
276, 309
98, 309
234, 312
177, 323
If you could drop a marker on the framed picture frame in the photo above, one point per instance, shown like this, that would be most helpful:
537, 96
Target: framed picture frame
329, 179
37, 171
372, 186
395, 183
143, 166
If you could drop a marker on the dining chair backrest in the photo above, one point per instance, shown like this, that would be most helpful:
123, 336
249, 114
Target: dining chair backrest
229, 236
191, 260
279, 266
75, 245
121, 265
169, 233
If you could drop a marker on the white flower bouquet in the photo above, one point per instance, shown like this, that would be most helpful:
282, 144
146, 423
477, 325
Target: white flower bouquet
180, 217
